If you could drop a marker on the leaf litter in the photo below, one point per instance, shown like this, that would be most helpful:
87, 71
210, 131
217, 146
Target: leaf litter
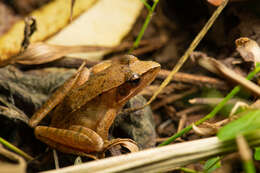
174, 114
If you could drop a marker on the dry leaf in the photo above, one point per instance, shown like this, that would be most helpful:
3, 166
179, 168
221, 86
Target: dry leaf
50, 19
39, 53
202, 131
105, 24
248, 49
127, 143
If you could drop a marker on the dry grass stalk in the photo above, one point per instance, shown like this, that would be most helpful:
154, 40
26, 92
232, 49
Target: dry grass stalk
162, 158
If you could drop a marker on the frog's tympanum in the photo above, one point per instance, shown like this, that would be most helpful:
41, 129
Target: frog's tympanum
87, 107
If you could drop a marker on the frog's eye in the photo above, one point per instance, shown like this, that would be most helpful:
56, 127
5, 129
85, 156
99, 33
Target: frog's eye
135, 79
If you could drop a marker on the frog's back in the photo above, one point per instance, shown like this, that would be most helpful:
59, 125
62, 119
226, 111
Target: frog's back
80, 96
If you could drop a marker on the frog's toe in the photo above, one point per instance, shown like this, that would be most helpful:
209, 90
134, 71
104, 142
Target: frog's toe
127, 143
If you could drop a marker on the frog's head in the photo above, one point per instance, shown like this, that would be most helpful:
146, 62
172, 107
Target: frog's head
140, 74
123, 77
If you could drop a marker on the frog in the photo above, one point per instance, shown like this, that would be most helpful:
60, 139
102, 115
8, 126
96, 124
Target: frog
84, 108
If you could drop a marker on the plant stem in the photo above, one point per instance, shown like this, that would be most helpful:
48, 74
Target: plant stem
187, 170
249, 166
15, 149
146, 22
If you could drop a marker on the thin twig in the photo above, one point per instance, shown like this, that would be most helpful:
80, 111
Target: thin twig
189, 110
194, 79
172, 98
246, 154
202, 100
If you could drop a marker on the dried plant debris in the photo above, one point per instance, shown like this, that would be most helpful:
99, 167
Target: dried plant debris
12, 112
165, 40
217, 67
41, 53
50, 19
11, 162
29, 29
248, 49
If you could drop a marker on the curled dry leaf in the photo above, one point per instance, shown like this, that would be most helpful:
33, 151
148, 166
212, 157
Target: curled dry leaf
248, 49
127, 143
40, 53
204, 131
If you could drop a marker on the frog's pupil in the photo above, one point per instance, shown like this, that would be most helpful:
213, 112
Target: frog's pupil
135, 79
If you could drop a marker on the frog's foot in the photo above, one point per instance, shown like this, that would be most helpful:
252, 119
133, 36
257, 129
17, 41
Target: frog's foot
127, 143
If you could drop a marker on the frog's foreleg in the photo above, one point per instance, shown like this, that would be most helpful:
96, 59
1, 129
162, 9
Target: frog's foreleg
105, 123
103, 128
77, 139
58, 96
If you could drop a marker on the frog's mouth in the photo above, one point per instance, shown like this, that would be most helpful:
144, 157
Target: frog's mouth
138, 82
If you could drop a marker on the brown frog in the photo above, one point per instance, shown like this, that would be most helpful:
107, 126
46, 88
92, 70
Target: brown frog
87, 106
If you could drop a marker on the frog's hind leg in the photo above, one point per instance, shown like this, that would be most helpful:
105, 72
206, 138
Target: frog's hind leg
66, 149
69, 140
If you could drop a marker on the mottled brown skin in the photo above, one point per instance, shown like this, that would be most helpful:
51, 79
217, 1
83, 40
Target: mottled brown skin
80, 123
